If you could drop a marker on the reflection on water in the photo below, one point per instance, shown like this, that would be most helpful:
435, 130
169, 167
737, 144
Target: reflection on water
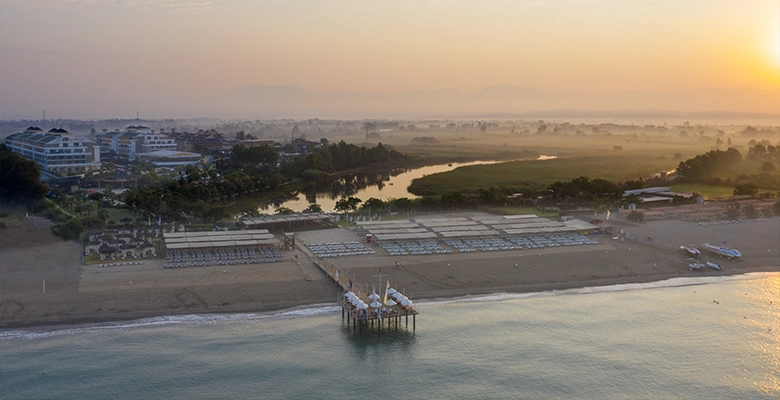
381, 185
372, 343
764, 300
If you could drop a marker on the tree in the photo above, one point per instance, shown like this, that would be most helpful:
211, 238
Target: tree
373, 204
750, 211
369, 126
748, 189
97, 196
635, 216
68, 229
733, 212
19, 177
313, 208
347, 205
102, 215
284, 211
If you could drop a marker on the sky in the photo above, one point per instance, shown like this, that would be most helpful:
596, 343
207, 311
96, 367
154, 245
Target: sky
168, 58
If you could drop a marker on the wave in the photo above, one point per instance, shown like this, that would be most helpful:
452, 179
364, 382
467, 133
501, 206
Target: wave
168, 320
623, 287
329, 308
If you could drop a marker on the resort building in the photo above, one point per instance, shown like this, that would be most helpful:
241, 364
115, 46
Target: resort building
56, 151
135, 140
169, 158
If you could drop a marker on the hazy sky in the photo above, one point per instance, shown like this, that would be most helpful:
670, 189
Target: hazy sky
100, 58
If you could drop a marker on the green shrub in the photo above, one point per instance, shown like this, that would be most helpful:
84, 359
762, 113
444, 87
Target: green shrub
636, 216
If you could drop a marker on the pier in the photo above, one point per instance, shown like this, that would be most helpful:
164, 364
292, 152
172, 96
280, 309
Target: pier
364, 310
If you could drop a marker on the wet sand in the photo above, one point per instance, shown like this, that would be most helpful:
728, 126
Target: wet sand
78, 293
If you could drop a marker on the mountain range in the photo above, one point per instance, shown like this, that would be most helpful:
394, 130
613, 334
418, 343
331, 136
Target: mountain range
499, 101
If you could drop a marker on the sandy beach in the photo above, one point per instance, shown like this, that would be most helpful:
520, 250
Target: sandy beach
75, 293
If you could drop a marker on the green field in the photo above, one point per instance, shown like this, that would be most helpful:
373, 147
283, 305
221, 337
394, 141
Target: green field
537, 174
709, 191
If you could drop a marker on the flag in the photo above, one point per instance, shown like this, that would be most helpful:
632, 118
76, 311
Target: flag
607, 215
384, 300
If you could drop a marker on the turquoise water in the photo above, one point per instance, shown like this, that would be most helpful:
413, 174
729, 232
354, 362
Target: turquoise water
715, 338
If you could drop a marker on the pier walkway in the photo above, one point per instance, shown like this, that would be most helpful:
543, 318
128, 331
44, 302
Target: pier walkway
361, 310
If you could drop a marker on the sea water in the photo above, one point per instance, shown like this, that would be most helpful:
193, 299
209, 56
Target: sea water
707, 338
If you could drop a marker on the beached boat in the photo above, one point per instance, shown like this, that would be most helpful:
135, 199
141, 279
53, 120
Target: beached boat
722, 251
690, 250
714, 266
695, 266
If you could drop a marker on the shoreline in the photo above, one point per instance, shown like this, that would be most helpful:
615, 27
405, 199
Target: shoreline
83, 294
271, 308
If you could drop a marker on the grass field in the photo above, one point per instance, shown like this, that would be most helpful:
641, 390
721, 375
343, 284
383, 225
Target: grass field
536, 174
710, 191
116, 214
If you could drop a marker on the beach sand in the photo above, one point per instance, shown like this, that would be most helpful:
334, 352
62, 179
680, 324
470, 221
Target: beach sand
74, 293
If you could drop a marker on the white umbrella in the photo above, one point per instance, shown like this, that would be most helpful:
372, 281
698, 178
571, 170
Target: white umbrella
348, 294
406, 302
399, 297
362, 306
391, 302
391, 291
356, 301
376, 304
373, 296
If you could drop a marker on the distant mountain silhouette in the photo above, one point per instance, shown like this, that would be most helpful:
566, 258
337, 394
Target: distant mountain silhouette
295, 101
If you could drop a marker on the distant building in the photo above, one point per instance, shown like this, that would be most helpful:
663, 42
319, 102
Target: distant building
55, 150
656, 194
169, 158
135, 140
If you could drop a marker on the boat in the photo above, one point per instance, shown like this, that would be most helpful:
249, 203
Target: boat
695, 266
690, 250
714, 266
722, 251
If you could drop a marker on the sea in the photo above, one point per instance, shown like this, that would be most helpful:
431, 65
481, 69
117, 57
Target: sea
684, 338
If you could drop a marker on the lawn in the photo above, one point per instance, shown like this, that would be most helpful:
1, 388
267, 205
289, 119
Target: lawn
538, 174
709, 191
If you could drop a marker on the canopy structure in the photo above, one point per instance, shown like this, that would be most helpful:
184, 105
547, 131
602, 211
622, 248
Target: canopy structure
274, 222
218, 239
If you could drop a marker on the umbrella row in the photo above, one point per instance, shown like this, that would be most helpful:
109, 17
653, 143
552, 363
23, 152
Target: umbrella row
396, 297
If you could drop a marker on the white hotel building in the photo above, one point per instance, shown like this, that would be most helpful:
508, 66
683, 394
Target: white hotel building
136, 140
56, 151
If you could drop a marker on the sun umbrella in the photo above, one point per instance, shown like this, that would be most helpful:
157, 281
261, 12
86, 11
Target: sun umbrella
356, 301
391, 291
362, 306
406, 302
376, 304
399, 297
391, 302
373, 296
348, 294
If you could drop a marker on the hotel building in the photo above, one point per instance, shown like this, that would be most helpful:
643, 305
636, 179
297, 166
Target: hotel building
56, 151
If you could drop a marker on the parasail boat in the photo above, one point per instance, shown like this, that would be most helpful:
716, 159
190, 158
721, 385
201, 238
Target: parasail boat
722, 251
714, 266
690, 250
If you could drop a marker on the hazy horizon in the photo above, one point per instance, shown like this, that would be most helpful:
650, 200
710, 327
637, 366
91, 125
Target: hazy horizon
240, 58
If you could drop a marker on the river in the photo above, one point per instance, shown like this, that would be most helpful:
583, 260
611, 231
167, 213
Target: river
382, 186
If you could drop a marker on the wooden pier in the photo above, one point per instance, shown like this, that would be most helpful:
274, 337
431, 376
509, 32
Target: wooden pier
385, 317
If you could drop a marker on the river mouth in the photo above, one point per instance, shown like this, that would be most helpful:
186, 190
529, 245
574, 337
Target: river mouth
381, 185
